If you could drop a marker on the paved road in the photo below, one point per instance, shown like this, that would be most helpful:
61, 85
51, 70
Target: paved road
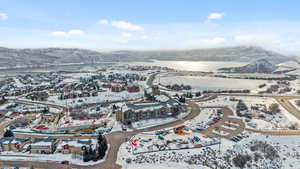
151, 79
238, 123
285, 103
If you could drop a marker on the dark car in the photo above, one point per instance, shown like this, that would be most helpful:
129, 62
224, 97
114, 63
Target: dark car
65, 162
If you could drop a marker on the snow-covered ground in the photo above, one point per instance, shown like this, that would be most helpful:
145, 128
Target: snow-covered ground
255, 152
102, 97
220, 101
203, 120
14, 156
152, 122
211, 83
281, 119
290, 64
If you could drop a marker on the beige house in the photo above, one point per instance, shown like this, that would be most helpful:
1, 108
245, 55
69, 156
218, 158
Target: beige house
43, 145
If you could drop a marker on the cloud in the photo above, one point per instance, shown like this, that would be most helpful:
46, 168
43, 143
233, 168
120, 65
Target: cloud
103, 22
74, 32
215, 15
126, 26
3, 16
121, 25
126, 35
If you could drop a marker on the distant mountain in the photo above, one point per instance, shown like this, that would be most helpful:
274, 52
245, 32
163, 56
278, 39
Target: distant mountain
258, 66
239, 53
47, 56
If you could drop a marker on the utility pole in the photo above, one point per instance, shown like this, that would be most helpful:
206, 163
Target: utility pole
219, 140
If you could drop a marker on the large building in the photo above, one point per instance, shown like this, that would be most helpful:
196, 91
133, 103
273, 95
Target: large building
149, 110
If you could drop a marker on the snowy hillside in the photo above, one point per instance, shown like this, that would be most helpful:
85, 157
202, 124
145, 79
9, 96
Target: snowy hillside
258, 66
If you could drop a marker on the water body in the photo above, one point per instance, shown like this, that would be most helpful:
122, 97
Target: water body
203, 66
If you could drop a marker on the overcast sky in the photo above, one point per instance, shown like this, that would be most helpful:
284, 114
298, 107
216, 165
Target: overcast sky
151, 24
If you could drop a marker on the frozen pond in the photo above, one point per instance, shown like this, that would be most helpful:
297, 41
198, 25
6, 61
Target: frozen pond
203, 66
211, 83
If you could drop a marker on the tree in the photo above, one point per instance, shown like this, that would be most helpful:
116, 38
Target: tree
182, 99
240, 160
274, 108
102, 146
8, 133
197, 94
86, 156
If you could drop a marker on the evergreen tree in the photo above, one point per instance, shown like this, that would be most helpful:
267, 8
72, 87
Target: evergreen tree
197, 94
8, 133
86, 156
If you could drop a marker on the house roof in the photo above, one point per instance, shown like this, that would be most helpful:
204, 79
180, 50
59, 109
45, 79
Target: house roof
12, 140
78, 143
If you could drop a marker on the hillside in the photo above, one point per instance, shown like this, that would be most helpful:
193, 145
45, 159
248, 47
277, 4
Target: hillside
46, 56
258, 66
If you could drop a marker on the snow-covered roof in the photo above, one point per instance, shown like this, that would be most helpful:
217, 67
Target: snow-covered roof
77, 143
161, 98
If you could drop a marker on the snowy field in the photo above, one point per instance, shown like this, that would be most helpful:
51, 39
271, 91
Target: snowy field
281, 119
211, 83
255, 152
203, 120
102, 97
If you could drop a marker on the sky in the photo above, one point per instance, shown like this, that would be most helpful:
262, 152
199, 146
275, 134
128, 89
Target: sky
150, 24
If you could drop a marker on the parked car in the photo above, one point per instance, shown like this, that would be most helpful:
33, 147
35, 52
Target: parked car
65, 162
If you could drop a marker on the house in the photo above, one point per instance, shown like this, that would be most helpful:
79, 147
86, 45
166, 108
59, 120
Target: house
13, 144
133, 88
150, 93
106, 85
46, 145
75, 146
39, 96
33, 109
116, 88
155, 90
